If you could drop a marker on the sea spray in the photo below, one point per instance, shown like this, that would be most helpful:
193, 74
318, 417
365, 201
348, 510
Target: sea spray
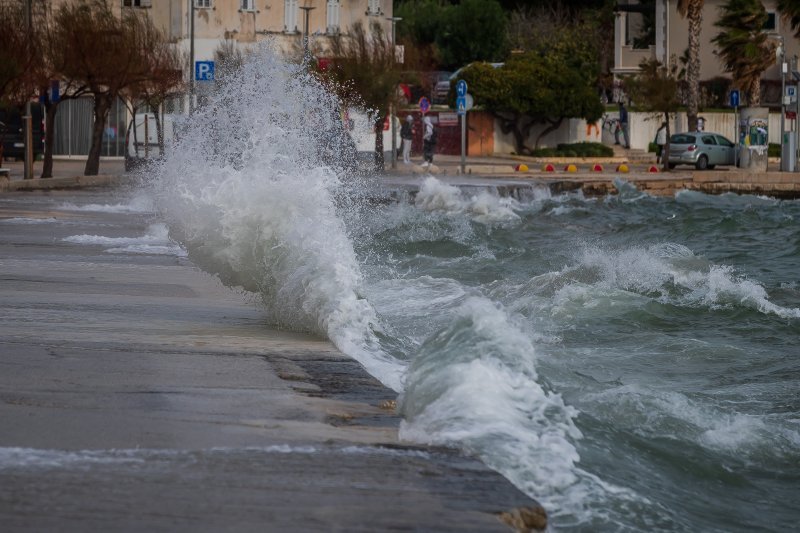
251, 190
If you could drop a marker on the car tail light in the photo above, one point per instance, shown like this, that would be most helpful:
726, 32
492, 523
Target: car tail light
691, 148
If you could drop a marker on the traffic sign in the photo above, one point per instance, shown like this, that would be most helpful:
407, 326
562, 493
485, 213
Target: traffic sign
791, 115
461, 88
424, 105
461, 105
734, 98
204, 70
791, 93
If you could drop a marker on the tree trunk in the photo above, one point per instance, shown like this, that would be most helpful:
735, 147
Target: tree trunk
379, 162
49, 139
552, 127
694, 15
102, 104
754, 93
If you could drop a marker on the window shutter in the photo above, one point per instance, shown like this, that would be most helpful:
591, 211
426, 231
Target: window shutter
145, 3
374, 7
333, 16
290, 15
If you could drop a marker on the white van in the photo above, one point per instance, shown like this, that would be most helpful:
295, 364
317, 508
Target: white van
360, 126
141, 138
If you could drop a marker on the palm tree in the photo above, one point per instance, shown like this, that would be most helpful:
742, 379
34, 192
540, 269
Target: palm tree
746, 51
790, 12
692, 10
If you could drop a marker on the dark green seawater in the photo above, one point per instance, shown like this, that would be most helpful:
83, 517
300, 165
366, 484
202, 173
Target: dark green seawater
632, 362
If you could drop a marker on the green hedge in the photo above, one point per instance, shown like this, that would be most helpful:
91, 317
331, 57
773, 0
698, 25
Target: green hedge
583, 149
774, 150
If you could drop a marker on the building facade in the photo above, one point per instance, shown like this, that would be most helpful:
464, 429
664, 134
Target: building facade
238, 23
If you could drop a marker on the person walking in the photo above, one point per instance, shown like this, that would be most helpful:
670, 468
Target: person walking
428, 141
623, 123
661, 140
406, 134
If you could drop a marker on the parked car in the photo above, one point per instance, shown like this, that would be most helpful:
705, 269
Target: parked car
703, 149
11, 131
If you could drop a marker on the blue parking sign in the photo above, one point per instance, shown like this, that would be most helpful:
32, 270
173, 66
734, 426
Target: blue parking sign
204, 70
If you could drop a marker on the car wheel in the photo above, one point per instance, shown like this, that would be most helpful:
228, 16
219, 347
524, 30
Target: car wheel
672, 165
702, 163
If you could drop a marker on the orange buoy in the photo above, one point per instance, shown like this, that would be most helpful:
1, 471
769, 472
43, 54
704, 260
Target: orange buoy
522, 167
623, 168
653, 169
597, 167
549, 168
571, 168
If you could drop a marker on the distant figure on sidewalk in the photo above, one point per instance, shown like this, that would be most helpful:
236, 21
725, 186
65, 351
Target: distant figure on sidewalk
428, 141
623, 123
661, 140
406, 135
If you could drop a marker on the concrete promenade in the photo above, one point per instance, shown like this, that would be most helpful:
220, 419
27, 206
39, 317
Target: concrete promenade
494, 171
138, 394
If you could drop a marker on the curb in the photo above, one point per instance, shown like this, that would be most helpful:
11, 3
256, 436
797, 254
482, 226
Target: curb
38, 184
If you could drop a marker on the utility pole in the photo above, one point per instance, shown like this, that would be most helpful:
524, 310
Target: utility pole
191, 56
391, 104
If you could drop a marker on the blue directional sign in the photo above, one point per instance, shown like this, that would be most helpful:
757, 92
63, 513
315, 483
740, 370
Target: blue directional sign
735, 98
461, 88
461, 105
204, 70
424, 105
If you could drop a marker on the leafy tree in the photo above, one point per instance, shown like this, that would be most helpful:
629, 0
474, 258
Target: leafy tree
17, 54
692, 10
537, 87
474, 30
365, 73
743, 46
655, 89
105, 52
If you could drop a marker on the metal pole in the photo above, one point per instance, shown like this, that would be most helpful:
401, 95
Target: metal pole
27, 172
784, 164
391, 105
464, 143
191, 56
736, 136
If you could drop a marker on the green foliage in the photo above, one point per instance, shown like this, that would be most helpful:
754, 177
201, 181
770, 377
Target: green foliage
582, 149
422, 21
774, 150
538, 87
474, 30
655, 87
743, 46
790, 11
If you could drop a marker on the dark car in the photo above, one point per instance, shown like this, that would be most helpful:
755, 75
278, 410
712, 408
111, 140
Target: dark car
11, 131
702, 149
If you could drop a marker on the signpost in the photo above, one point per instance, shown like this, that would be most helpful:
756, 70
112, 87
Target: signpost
424, 105
461, 108
734, 102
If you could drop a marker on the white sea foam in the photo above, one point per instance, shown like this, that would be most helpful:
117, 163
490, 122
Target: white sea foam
139, 203
485, 207
251, 193
26, 220
155, 241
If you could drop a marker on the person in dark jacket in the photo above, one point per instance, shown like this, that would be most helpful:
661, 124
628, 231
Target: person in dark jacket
406, 134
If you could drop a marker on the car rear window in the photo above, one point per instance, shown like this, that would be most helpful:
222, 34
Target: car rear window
682, 138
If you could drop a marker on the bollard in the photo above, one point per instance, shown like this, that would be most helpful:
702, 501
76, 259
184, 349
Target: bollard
571, 168
597, 167
522, 167
549, 168
623, 168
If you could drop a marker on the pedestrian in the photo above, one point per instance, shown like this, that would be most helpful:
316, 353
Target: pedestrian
623, 123
661, 140
428, 141
406, 134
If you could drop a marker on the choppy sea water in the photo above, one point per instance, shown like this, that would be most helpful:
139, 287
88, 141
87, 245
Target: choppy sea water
631, 362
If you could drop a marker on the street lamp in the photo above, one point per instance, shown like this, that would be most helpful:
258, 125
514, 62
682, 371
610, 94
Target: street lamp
781, 52
306, 10
191, 55
394, 20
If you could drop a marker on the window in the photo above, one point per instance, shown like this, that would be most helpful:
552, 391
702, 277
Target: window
333, 17
709, 139
290, 16
722, 141
247, 5
136, 3
771, 24
682, 139
202, 3
374, 7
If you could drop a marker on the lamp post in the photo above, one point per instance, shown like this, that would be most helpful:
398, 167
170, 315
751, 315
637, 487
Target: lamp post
306, 10
394, 20
191, 56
